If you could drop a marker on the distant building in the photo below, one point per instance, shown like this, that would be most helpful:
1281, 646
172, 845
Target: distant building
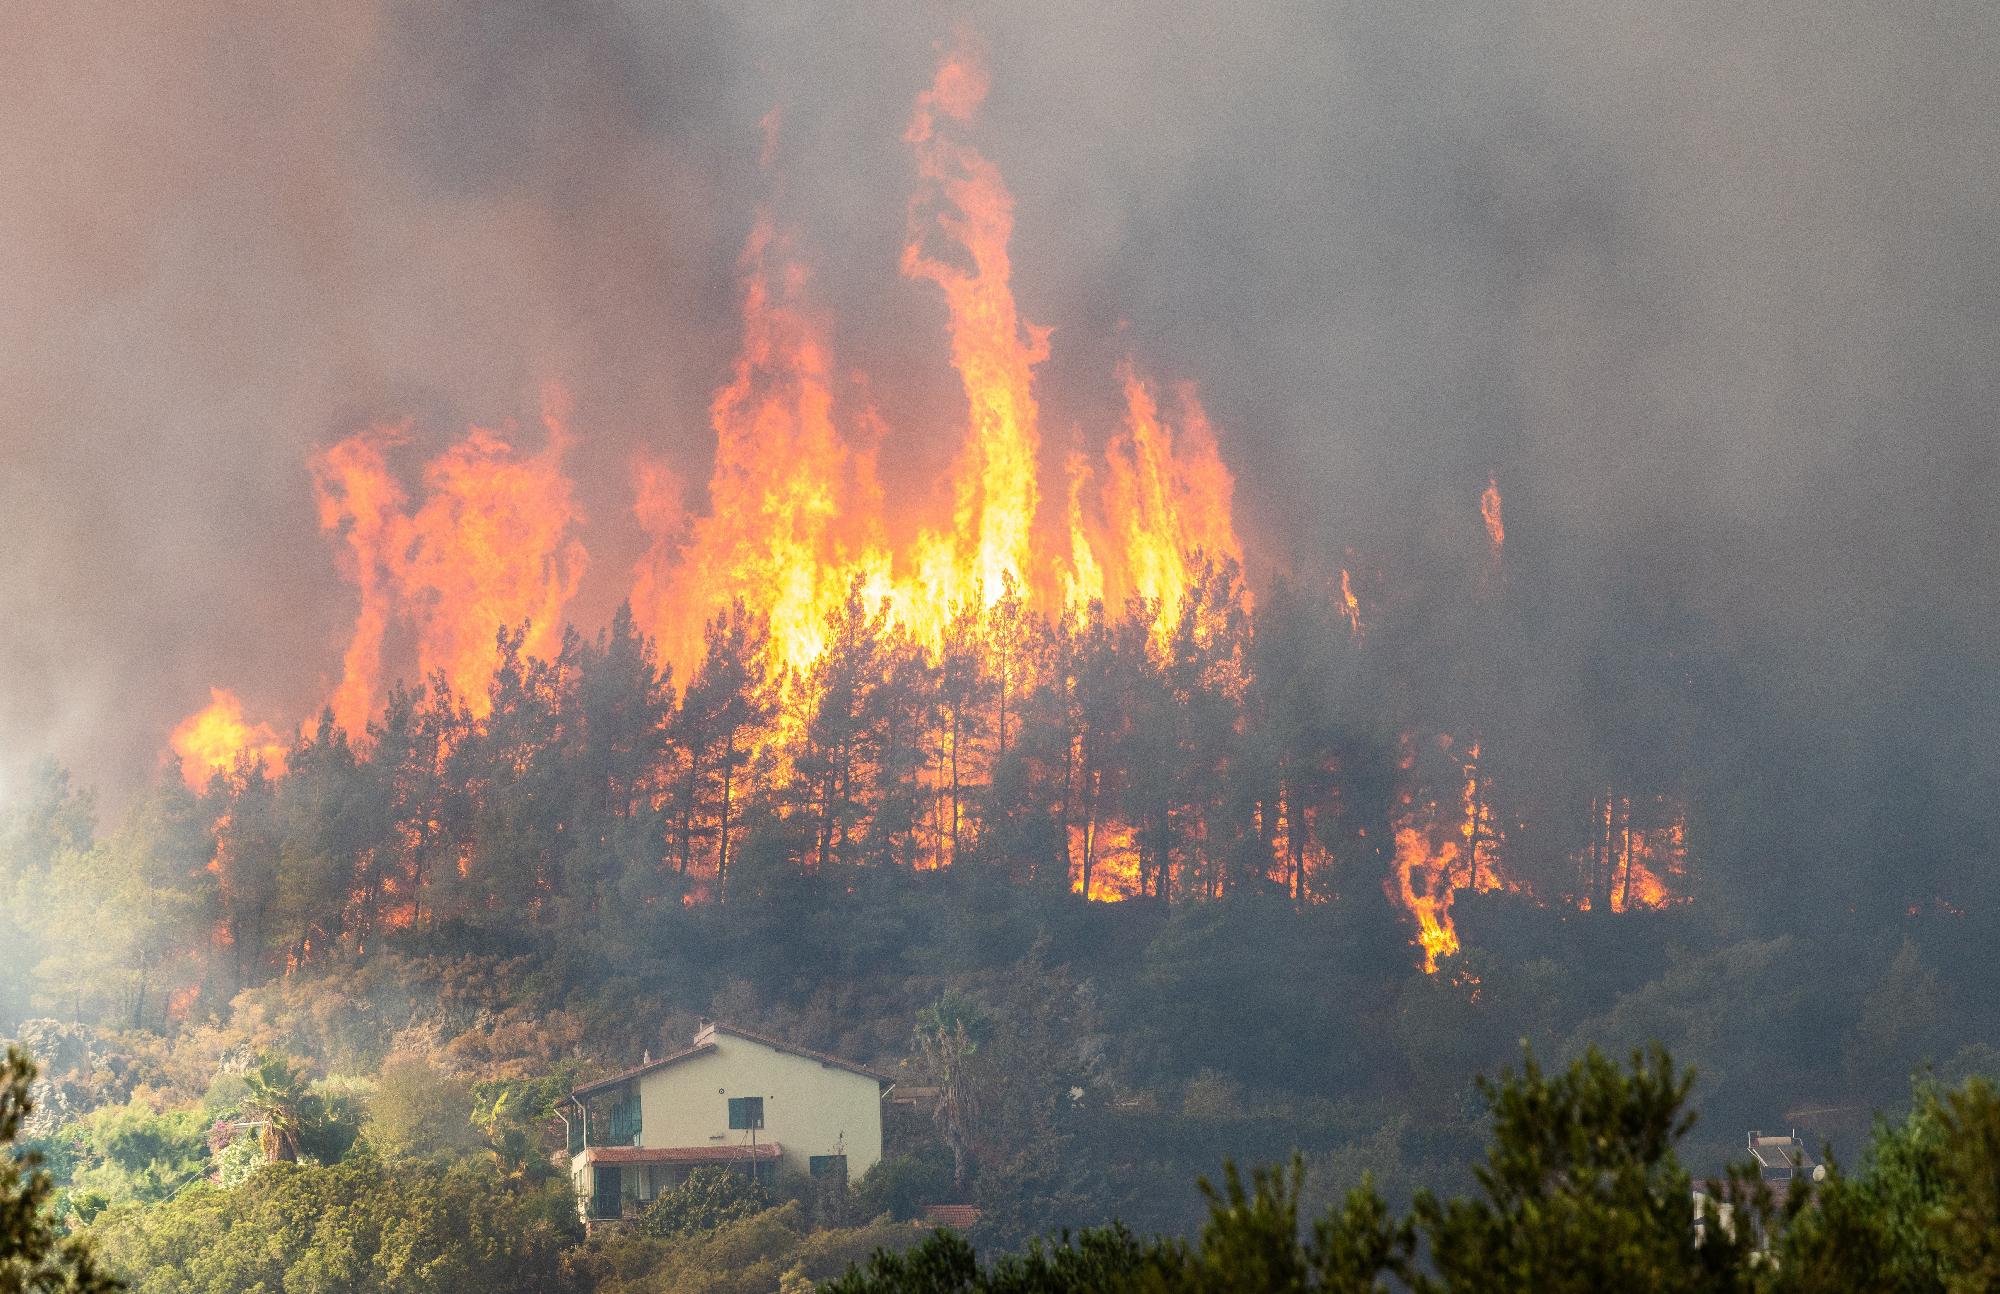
1725, 1217
732, 1098
1781, 1159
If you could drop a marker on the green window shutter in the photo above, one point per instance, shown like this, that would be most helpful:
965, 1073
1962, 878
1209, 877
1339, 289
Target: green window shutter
626, 1123
746, 1112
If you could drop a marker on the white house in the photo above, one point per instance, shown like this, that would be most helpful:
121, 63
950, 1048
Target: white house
733, 1098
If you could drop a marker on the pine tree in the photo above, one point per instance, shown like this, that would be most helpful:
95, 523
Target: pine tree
35, 1258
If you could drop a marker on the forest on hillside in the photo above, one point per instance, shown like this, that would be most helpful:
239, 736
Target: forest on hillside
417, 943
1357, 642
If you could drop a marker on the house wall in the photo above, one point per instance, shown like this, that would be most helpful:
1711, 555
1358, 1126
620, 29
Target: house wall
809, 1108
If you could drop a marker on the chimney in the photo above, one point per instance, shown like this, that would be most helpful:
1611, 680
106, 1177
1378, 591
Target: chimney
705, 1032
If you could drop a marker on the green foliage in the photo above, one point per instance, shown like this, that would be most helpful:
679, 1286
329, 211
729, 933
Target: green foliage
1108, 1259
360, 1227
35, 1258
1969, 1219
710, 1198
117, 916
419, 1109
516, 1115
770, 1250
1580, 1192
134, 1152
900, 1185
1901, 1022
1923, 1214
1581, 1189
949, 1035
295, 1118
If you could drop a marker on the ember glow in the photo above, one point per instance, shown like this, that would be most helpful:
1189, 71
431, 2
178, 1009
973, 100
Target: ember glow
1350, 606
1637, 854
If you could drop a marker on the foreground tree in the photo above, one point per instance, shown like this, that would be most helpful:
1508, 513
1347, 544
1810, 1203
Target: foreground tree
411, 1226
1922, 1216
1581, 1191
35, 1258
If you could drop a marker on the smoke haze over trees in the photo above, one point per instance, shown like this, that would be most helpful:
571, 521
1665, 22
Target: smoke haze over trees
1572, 615
1711, 297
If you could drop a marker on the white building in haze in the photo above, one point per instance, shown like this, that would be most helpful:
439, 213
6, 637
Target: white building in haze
733, 1098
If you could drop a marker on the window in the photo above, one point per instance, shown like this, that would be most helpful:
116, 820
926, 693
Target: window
746, 1112
828, 1166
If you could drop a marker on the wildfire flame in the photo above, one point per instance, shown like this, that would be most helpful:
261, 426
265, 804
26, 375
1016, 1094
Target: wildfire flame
491, 545
1422, 876
1350, 606
1440, 853
795, 519
1636, 856
217, 739
994, 350
796, 530
788, 527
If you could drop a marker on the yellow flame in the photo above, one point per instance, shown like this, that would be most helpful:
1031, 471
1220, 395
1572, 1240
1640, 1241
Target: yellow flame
217, 739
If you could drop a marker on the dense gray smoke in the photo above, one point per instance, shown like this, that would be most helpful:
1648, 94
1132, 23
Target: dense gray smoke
1710, 290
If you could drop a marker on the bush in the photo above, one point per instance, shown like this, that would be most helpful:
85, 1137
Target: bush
903, 1185
419, 1109
708, 1199
771, 1250
414, 1227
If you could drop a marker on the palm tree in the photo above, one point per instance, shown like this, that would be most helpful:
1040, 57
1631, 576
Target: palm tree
949, 1033
282, 1103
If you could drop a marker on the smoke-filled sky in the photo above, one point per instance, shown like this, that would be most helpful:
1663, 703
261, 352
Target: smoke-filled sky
1712, 290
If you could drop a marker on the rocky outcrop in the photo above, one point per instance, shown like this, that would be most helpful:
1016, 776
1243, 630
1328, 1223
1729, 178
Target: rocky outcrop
77, 1070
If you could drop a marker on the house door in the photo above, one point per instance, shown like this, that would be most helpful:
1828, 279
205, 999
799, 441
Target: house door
604, 1191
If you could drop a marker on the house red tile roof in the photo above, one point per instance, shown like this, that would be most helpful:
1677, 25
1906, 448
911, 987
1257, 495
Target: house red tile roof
959, 1217
820, 1056
589, 1089
762, 1151
704, 1042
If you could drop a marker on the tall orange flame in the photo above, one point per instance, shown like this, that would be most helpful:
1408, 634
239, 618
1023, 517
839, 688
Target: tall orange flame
357, 495
492, 545
795, 507
782, 494
1423, 878
1168, 495
794, 521
1440, 852
994, 350
1350, 606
